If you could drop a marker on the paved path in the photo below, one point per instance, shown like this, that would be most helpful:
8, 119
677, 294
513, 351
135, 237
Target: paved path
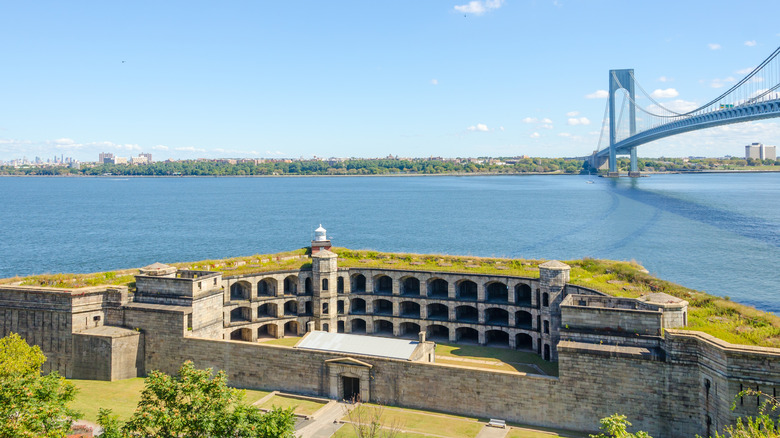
322, 425
493, 432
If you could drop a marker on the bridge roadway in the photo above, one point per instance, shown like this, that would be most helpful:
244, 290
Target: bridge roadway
746, 113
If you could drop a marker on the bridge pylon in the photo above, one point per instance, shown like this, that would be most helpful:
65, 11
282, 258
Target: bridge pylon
623, 78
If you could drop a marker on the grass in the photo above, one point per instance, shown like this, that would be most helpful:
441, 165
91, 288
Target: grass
121, 396
542, 433
287, 341
504, 359
424, 422
302, 406
346, 431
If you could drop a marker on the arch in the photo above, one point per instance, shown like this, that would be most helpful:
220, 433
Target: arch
467, 335
467, 290
358, 283
410, 286
324, 284
524, 341
438, 288
267, 310
290, 308
291, 285
383, 307
266, 287
340, 327
409, 309
307, 288
358, 325
242, 334
357, 306
291, 328
497, 292
340, 285
436, 332
240, 290
410, 329
307, 307
383, 327
523, 319
546, 352
545, 299
340, 307
438, 312
496, 316
466, 314
325, 327
497, 338
523, 295
267, 331
240, 314
383, 284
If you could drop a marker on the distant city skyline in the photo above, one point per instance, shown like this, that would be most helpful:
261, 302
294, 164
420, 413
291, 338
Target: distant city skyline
495, 78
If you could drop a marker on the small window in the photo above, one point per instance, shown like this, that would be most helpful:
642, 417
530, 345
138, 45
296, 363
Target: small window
96, 318
545, 299
215, 282
200, 285
324, 284
547, 326
324, 308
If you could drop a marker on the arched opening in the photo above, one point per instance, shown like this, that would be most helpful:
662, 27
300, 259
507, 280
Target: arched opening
291, 308
382, 327
383, 307
438, 288
546, 351
241, 314
437, 332
340, 285
497, 293
307, 306
340, 327
495, 316
523, 295
524, 342
410, 286
340, 307
467, 335
409, 309
291, 328
496, 338
358, 283
243, 334
358, 326
410, 330
467, 290
545, 299
523, 320
546, 326
358, 306
291, 285
307, 288
325, 327
438, 312
466, 314
324, 284
240, 290
266, 287
267, 310
383, 285
267, 331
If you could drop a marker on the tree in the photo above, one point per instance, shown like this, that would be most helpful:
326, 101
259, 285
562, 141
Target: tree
760, 426
31, 405
366, 422
615, 426
195, 404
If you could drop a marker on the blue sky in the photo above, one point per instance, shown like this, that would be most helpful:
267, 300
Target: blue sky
362, 78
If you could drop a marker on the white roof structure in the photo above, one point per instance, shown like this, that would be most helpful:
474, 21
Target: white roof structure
359, 344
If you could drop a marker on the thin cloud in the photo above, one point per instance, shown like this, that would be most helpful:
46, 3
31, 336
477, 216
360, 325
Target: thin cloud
479, 127
720, 83
535, 135
434, 82
664, 79
714, 46
744, 71
530, 120
598, 94
751, 43
479, 7
664, 94
574, 121
572, 114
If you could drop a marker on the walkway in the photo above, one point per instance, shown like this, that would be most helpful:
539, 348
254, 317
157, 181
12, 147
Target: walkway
325, 421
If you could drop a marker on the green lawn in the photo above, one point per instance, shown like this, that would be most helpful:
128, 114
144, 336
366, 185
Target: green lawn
347, 431
542, 433
121, 396
285, 342
302, 406
423, 422
493, 358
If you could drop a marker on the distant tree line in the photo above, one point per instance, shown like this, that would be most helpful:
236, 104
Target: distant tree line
311, 167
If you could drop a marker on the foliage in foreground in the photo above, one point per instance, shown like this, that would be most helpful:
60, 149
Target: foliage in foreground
366, 422
31, 405
195, 404
616, 426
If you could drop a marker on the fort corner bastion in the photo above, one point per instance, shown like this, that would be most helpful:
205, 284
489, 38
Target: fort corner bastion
614, 355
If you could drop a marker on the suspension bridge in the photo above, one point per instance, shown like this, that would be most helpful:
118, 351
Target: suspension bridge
754, 97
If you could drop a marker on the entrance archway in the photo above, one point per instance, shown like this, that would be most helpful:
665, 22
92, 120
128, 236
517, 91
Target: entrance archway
351, 387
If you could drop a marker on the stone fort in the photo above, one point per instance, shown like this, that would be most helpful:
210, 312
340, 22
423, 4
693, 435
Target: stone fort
614, 355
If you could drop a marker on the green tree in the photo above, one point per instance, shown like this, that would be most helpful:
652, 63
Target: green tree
760, 426
616, 426
31, 405
195, 404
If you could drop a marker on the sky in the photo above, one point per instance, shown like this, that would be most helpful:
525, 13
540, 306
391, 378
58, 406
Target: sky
413, 78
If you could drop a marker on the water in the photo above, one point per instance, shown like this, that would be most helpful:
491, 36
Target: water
714, 232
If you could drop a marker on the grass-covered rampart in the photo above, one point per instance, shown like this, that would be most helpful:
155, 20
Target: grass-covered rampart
717, 316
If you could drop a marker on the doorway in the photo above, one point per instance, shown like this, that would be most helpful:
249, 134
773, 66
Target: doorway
351, 389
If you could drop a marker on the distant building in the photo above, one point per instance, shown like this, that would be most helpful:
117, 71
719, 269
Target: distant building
106, 158
147, 155
760, 152
120, 160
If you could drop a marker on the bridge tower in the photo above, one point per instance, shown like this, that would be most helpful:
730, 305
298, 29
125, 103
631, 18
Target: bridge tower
618, 79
